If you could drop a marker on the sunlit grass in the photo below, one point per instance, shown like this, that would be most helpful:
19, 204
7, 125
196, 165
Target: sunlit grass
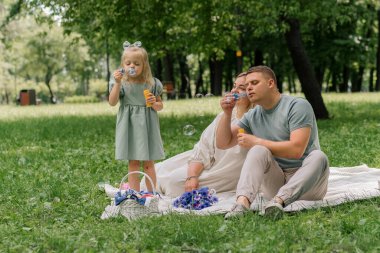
53, 156
193, 106
171, 108
368, 97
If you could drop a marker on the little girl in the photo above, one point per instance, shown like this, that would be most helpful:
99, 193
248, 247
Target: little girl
138, 137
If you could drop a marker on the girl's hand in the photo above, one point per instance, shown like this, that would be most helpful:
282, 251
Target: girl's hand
151, 99
117, 75
191, 184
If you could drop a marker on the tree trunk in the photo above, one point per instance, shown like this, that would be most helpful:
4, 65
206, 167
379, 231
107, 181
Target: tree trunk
239, 57
327, 80
360, 78
259, 58
212, 74
199, 82
354, 81
276, 61
343, 87
230, 70
334, 81
229, 78
292, 85
169, 74
108, 67
377, 88
239, 64
357, 80
158, 71
370, 84
279, 83
216, 76
304, 69
6, 97
251, 60
319, 73
48, 78
185, 77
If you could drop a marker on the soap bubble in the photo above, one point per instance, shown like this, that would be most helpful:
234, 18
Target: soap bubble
188, 130
209, 95
22, 161
131, 71
199, 95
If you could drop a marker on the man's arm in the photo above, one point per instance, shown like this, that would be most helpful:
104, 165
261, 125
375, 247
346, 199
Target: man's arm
292, 149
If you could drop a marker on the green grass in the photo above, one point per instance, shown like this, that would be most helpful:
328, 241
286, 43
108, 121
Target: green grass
52, 157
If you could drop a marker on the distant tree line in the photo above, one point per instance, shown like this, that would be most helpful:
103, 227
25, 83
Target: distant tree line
330, 45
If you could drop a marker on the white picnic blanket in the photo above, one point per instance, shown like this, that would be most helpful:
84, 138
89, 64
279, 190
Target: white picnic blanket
345, 184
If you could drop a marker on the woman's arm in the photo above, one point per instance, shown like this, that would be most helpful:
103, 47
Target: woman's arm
202, 155
193, 172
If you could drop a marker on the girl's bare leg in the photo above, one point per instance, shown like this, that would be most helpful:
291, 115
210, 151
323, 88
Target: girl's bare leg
150, 171
133, 179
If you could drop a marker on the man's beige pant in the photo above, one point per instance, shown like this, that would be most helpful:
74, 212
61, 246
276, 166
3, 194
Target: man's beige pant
261, 171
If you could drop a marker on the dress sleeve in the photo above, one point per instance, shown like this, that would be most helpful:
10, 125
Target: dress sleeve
112, 83
204, 150
157, 88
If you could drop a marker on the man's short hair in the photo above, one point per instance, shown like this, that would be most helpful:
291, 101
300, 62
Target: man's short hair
268, 72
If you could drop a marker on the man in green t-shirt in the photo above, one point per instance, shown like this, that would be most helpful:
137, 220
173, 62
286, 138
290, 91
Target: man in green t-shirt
284, 160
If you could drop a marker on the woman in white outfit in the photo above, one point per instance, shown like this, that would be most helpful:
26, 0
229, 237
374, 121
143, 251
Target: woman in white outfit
205, 165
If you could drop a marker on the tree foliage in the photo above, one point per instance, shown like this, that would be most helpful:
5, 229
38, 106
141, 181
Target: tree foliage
338, 37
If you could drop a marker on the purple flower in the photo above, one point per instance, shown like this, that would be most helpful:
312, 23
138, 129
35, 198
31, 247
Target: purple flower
196, 199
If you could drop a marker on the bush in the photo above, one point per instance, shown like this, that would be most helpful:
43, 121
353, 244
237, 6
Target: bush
81, 99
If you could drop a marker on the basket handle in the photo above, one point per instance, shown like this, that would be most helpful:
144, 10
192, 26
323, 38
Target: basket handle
138, 172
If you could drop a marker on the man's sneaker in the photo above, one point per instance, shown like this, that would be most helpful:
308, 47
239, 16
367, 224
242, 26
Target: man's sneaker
236, 211
274, 210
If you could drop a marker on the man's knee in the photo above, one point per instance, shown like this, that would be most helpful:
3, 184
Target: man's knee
259, 151
320, 158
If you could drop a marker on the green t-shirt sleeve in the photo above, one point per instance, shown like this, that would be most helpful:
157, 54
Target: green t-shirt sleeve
301, 115
244, 123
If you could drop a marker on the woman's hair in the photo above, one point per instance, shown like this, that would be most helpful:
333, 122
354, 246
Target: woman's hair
146, 71
241, 74
268, 72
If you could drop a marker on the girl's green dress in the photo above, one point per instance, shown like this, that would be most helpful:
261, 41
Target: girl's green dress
137, 127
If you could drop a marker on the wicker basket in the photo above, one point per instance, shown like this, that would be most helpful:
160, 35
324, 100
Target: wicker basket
131, 209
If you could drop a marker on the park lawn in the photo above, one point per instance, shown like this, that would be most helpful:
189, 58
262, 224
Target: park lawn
52, 158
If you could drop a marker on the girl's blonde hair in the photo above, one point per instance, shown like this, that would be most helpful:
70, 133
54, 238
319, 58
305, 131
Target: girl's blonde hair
146, 72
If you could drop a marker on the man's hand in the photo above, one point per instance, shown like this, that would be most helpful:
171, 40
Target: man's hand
247, 140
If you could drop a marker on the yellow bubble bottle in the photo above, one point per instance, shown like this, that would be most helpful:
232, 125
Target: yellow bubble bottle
241, 131
147, 95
